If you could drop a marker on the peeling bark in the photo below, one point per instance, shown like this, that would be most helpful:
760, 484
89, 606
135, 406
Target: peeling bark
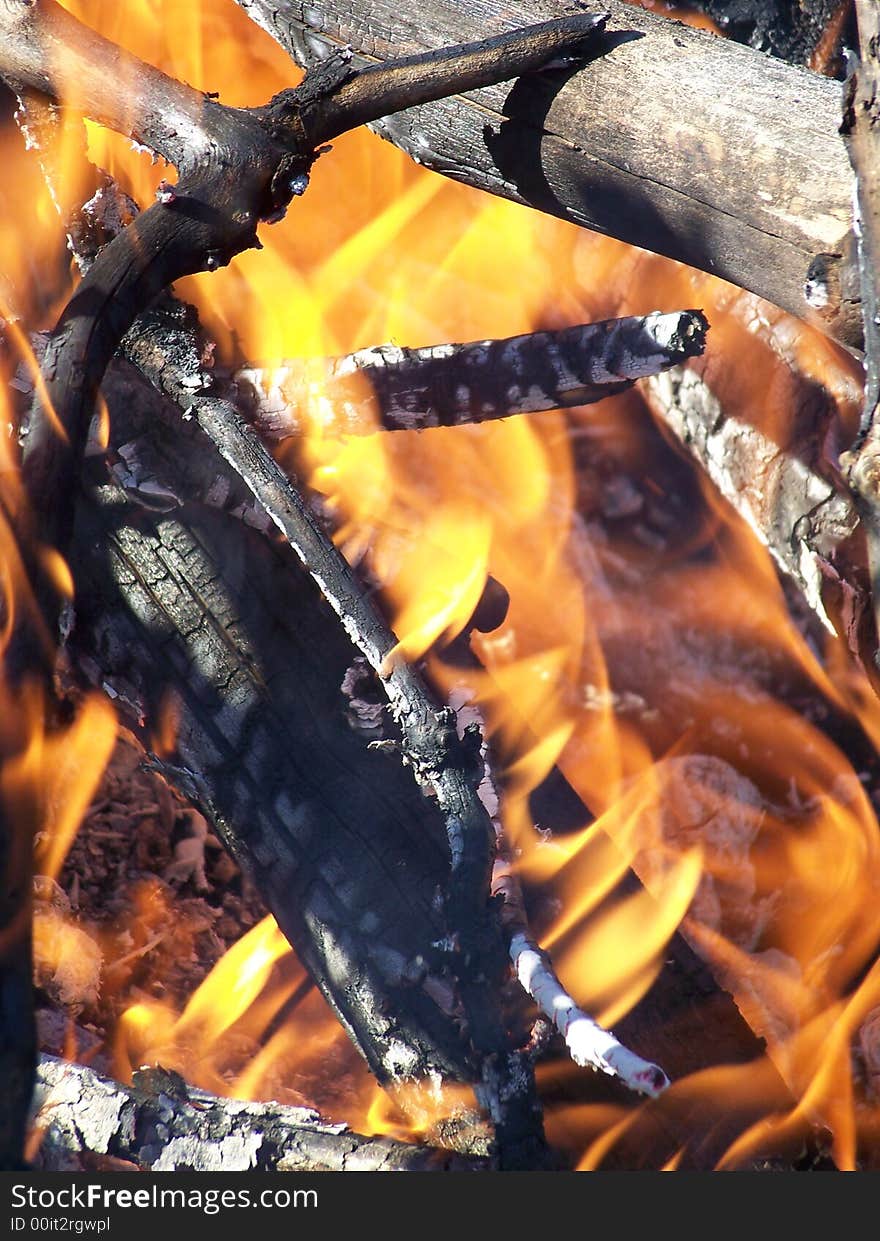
672, 140
160, 1124
392, 389
785, 492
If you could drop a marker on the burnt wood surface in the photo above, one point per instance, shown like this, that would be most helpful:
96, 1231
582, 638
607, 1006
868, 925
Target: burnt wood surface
349, 856
670, 138
198, 603
801, 31
160, 1124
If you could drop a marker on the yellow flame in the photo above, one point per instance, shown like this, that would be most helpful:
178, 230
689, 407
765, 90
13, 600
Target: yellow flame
774, 880
65, 767
236, 981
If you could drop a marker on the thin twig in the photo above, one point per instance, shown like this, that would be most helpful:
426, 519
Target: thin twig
588, 1043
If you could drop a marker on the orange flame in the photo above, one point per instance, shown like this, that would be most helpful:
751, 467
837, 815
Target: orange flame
747, 827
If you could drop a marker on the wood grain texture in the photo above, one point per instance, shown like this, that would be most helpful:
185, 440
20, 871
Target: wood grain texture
671, 139
347, 853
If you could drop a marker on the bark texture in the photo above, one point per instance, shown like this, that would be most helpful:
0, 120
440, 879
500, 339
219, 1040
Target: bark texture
670, 139
194, 602
160, 1124
393, 389
786, 492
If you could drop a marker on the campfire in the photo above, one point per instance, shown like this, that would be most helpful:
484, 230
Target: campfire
441, 719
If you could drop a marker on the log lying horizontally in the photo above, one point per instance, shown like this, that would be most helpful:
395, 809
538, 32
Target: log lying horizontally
160, 1124
675, 141
796, 504
392, 389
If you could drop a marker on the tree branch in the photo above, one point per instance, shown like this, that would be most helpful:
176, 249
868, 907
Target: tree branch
161, 1124
670, 139
392, 389
236, 167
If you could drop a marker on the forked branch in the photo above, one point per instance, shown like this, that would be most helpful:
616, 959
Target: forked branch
236, 167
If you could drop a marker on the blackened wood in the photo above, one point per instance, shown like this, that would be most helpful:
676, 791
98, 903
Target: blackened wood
445, 765
199, 607
673, 140
194, 604
800, 31
167, 347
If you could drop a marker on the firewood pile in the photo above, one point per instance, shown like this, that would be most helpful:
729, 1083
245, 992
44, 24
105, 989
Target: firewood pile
310, 875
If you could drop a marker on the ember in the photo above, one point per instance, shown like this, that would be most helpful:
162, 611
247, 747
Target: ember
653, 798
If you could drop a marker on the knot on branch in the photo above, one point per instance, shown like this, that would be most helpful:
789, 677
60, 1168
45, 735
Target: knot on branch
294, 113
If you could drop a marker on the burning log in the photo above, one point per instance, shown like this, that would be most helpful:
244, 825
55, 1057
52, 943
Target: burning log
392, 389
176, 500
160, 1124
168, 350
752, 182
204, 221
789, 493
265, 748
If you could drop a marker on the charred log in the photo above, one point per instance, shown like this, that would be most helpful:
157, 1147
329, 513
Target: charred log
751, 181
334, 834
196, 603
168, 349
162, 1125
